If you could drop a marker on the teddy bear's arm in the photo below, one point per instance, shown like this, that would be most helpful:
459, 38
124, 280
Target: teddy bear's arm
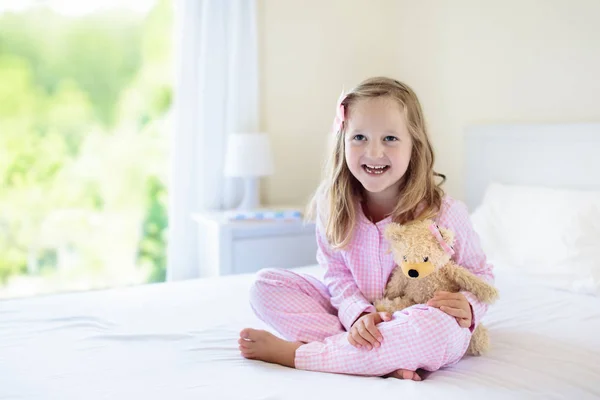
471, 283
396, 284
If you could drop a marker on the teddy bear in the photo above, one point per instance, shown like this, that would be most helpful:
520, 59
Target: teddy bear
422, 252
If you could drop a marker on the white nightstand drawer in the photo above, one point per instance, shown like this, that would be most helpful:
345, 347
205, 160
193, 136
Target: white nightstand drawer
252, 254
235, 247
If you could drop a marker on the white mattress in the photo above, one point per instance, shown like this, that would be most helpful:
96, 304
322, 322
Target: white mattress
178, 341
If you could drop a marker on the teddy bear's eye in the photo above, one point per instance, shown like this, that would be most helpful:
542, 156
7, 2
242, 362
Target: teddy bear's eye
405, 259
425, 259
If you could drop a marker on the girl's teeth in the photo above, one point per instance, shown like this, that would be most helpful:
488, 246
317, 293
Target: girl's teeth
375, 169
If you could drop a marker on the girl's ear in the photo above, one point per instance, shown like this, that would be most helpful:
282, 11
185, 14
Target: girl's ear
394, 232
448, 236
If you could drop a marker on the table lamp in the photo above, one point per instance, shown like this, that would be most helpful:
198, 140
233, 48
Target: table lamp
248, 157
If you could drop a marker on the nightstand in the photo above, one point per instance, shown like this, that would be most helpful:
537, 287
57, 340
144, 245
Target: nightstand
235, 247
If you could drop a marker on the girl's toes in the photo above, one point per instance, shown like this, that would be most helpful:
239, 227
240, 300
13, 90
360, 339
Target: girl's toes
247, 353
411, 375
406, 374
245, 333
243, 346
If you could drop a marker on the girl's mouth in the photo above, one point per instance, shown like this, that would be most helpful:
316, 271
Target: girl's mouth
375, 169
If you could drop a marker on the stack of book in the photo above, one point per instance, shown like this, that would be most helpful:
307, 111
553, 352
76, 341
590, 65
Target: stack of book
264, 215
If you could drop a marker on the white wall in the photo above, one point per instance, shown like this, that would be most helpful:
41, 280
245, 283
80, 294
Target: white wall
477, 62
469, 61
309, 50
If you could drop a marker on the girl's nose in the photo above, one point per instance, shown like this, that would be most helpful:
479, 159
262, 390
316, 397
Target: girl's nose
375, 150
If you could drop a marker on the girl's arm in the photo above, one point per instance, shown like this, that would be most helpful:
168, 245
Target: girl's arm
468, 252
346, 297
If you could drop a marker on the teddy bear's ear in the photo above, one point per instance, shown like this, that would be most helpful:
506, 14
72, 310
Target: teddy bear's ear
448, 236
394, 232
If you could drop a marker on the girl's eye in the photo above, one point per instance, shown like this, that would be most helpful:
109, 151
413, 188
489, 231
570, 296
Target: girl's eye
425, 259
359, 137
390, 138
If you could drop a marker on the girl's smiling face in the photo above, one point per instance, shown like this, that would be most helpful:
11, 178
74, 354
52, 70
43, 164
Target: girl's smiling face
378, 145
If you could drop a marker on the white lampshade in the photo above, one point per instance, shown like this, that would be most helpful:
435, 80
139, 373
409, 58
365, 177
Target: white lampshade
248, 155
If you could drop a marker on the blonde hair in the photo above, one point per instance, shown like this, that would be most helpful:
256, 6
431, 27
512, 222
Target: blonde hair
336, 196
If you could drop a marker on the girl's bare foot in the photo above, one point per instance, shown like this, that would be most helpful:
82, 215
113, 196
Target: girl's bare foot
405, 374
262, 345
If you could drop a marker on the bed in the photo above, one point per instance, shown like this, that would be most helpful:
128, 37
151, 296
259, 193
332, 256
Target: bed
177, 340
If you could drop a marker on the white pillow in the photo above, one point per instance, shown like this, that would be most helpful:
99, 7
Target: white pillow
550, 235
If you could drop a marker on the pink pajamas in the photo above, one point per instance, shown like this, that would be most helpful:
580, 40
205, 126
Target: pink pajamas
302, 308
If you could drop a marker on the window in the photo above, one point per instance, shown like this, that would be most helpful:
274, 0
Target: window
85, 94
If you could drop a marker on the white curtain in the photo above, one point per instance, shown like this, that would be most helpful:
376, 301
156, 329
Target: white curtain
215, 93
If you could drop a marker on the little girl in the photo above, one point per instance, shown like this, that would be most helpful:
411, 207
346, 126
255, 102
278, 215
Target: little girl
380, 170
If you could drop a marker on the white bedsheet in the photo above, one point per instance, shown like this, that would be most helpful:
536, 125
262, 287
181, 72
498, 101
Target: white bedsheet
178, 341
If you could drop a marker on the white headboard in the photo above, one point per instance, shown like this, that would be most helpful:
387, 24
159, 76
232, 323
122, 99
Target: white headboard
552, 155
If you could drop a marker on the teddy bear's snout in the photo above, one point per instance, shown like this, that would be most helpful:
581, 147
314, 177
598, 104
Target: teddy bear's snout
417, 270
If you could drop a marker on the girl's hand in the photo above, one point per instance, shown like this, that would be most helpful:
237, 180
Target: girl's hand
364, 333
455, 305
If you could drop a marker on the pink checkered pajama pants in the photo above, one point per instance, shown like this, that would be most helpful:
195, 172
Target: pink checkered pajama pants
298, 307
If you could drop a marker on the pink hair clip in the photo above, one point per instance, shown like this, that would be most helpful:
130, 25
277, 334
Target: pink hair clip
438, 235
340, 114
